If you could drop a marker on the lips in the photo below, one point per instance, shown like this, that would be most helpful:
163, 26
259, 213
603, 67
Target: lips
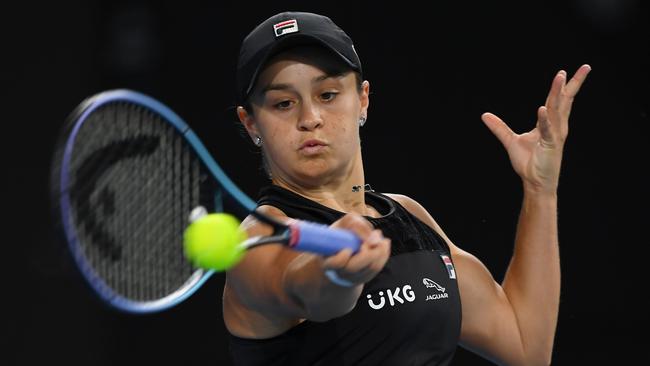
312, 143
312, 146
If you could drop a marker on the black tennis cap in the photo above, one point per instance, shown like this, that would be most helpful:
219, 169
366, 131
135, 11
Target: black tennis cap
286, 30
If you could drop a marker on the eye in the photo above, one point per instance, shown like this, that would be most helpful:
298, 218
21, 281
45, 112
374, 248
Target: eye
285, 104
328, 96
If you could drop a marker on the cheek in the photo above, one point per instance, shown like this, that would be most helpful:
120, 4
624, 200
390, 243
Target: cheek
347, 132
275, 130
282, 142
347, 118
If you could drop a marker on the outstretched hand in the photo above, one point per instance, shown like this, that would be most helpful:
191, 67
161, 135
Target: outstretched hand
536, 155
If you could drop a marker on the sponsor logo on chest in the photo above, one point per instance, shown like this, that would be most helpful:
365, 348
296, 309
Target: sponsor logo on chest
401, 295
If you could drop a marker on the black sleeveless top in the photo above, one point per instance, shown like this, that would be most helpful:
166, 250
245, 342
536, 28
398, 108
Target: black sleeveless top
409, 314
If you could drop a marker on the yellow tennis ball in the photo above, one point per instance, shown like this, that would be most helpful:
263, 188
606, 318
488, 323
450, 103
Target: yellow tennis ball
212, 241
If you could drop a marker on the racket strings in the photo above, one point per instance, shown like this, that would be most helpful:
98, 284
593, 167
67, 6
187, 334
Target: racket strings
133, 202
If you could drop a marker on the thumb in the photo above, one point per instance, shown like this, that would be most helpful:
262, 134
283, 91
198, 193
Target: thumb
498, 127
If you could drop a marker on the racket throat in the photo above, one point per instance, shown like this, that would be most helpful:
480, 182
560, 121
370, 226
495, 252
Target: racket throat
256, 241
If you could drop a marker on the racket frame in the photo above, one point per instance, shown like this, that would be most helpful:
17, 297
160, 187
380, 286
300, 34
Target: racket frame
199, 276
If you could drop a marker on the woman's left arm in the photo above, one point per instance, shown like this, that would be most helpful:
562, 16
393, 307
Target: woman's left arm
514, 323
532, 281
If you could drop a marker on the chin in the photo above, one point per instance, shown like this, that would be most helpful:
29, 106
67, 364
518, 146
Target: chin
315, 172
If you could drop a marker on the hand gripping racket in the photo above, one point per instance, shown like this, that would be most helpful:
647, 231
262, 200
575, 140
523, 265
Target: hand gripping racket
126, 175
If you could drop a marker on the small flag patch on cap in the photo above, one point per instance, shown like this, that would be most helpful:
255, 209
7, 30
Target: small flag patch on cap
286, 27
450, 266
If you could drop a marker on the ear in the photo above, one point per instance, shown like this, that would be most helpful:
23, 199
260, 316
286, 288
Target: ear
248, 121
364, 98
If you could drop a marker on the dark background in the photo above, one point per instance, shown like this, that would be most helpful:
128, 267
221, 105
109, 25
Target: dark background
433, 70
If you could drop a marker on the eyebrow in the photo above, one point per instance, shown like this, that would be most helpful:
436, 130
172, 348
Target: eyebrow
281, 86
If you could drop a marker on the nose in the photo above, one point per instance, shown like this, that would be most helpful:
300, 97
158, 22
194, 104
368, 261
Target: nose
310, 118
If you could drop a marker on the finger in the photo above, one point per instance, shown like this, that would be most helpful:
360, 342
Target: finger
369, 259
367, 252
571, 89
545, 129
375, 238
553, 97
356, 223
573, 86
360, 226
498, 128
338, 260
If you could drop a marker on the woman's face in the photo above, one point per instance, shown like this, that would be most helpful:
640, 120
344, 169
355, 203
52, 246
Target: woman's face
308, 121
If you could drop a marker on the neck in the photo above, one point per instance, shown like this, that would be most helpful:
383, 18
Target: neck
336, 192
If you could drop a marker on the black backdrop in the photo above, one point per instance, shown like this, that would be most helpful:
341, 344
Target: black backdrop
433, 70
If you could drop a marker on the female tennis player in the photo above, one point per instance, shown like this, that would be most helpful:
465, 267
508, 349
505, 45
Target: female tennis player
410, 295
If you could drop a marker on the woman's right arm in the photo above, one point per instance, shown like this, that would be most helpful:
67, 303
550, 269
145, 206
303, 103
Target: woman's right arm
274, 288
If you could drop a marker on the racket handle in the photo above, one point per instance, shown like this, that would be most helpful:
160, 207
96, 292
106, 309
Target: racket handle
321, 239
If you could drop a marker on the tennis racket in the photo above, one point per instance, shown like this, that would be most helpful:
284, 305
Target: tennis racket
127, 174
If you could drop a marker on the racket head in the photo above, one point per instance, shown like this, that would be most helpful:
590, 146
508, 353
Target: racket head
126, 174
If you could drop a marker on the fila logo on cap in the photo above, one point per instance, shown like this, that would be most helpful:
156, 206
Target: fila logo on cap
286, 27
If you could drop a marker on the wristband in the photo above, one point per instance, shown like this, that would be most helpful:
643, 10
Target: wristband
334, 277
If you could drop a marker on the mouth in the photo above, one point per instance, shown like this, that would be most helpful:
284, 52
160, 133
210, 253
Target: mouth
312, 146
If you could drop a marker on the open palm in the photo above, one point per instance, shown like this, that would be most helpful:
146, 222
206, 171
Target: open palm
536, 155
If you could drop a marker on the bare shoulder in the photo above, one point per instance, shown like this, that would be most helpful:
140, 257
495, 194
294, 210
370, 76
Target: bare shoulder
254, 227
413, 207
416, 209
